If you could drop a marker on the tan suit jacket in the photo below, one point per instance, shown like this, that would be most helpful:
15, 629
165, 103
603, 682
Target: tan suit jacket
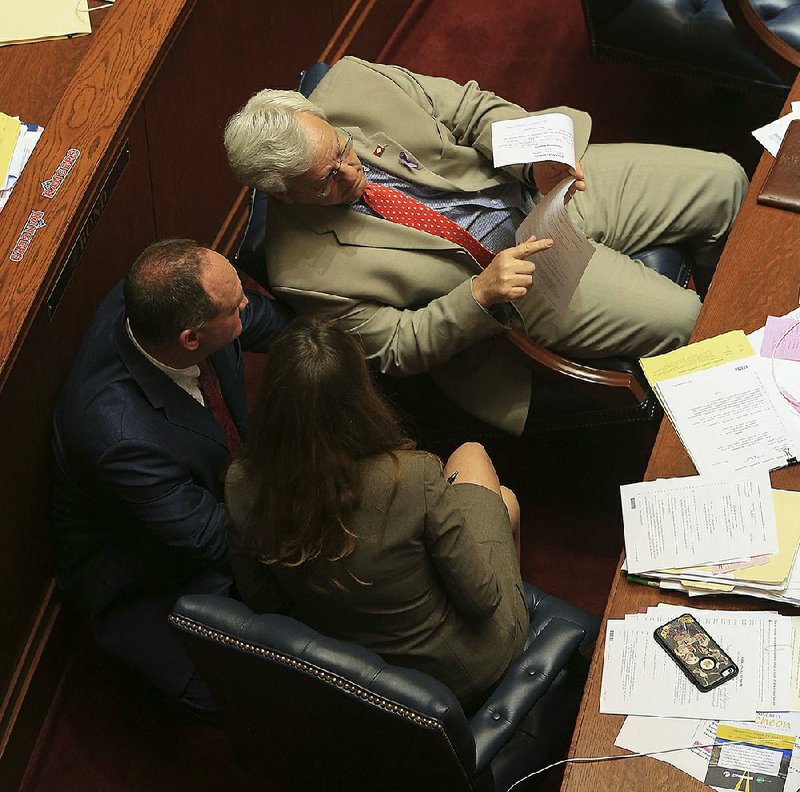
407, 293
439, 590
404, 292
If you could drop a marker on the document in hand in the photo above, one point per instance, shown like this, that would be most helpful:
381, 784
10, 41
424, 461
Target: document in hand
697, 520
560, 268
538, 138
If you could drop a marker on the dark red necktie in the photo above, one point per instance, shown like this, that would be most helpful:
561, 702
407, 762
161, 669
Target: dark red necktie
393, 205
217, 407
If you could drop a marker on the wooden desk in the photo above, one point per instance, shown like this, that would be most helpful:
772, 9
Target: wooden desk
144, 100
759, 274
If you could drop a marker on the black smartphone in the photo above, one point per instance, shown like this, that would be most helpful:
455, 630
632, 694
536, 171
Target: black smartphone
697, 654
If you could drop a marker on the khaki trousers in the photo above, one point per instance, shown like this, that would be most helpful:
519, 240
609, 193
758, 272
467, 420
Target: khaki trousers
637, 196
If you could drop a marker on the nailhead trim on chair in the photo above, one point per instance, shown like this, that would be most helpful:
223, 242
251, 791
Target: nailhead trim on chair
325, 676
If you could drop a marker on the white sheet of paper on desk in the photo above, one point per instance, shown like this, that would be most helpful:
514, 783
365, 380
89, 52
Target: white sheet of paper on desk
771, 135
697, 520
560, 268
648, 735
728, 418
549, 136
23, 20
768, 640
640, 678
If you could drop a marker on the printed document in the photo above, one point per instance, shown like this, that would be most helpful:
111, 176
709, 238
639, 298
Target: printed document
697, 520
549, 136
559, 268
730, 417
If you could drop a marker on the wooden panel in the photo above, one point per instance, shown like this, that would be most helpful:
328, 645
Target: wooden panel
187, 106
97, 104
26, 400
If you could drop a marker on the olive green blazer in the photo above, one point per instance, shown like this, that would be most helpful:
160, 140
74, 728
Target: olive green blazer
433, 582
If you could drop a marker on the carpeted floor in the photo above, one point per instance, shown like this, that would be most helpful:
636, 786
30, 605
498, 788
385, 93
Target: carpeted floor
105, 733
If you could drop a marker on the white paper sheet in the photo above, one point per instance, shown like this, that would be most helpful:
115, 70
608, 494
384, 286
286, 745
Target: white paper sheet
549, 136
728, 420
697, 520
560, 268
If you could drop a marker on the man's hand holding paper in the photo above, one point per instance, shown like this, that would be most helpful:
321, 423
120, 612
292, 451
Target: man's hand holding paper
510, 273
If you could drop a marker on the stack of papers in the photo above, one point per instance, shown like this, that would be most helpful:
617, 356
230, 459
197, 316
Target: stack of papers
640, 678
771, 136
725, 404
714, 535
743, 734
17, 140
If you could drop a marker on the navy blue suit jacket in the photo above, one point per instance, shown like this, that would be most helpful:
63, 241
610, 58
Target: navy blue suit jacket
139, 464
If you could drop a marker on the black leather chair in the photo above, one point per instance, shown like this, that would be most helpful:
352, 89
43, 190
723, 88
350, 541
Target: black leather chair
742, 44
567, 394
303, 712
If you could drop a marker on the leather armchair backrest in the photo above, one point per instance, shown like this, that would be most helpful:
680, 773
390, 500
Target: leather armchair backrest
307, 712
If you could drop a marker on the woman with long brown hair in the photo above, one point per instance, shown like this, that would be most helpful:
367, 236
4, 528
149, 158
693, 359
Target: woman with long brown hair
338, 520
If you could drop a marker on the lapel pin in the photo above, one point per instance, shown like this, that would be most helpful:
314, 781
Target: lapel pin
408, 162
379, 151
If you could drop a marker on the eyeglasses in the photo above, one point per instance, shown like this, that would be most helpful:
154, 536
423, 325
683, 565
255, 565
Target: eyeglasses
333, 175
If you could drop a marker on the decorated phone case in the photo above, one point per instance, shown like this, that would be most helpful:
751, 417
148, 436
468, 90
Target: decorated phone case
697, 654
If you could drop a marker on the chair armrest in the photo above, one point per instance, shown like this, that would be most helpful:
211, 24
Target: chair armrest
779, 54
525, 682
555, 365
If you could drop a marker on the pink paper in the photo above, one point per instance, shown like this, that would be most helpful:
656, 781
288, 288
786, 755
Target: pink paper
785, 330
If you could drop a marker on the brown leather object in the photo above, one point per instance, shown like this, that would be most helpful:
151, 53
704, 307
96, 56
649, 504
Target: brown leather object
782, 186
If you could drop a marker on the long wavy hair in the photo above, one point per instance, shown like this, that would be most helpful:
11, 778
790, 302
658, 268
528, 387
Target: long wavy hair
316, 416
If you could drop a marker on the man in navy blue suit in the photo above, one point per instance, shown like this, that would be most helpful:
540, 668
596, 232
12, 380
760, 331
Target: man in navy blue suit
141, 443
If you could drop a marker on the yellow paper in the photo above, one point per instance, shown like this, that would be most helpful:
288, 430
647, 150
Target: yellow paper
698, 356
38, 20
775, 570
699, 584
9, 132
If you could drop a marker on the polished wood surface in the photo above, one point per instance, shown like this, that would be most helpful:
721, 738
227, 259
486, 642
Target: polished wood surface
759, 274
144, 99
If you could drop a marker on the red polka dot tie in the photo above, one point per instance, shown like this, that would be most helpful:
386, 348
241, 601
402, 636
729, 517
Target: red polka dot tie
393, 205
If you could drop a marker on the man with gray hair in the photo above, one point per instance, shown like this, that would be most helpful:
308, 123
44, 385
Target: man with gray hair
143, 433
387, 212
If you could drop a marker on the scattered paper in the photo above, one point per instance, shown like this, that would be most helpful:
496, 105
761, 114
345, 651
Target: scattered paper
781, 338
640, 678
559, 268
698, 356
538, 138
731, 417
697, 520
23, 20
771, 135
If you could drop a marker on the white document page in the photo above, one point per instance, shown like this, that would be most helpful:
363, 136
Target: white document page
771, 135
645, 735
769, 639
550, 136
697, 520
560, 268
640, 678
727, 420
